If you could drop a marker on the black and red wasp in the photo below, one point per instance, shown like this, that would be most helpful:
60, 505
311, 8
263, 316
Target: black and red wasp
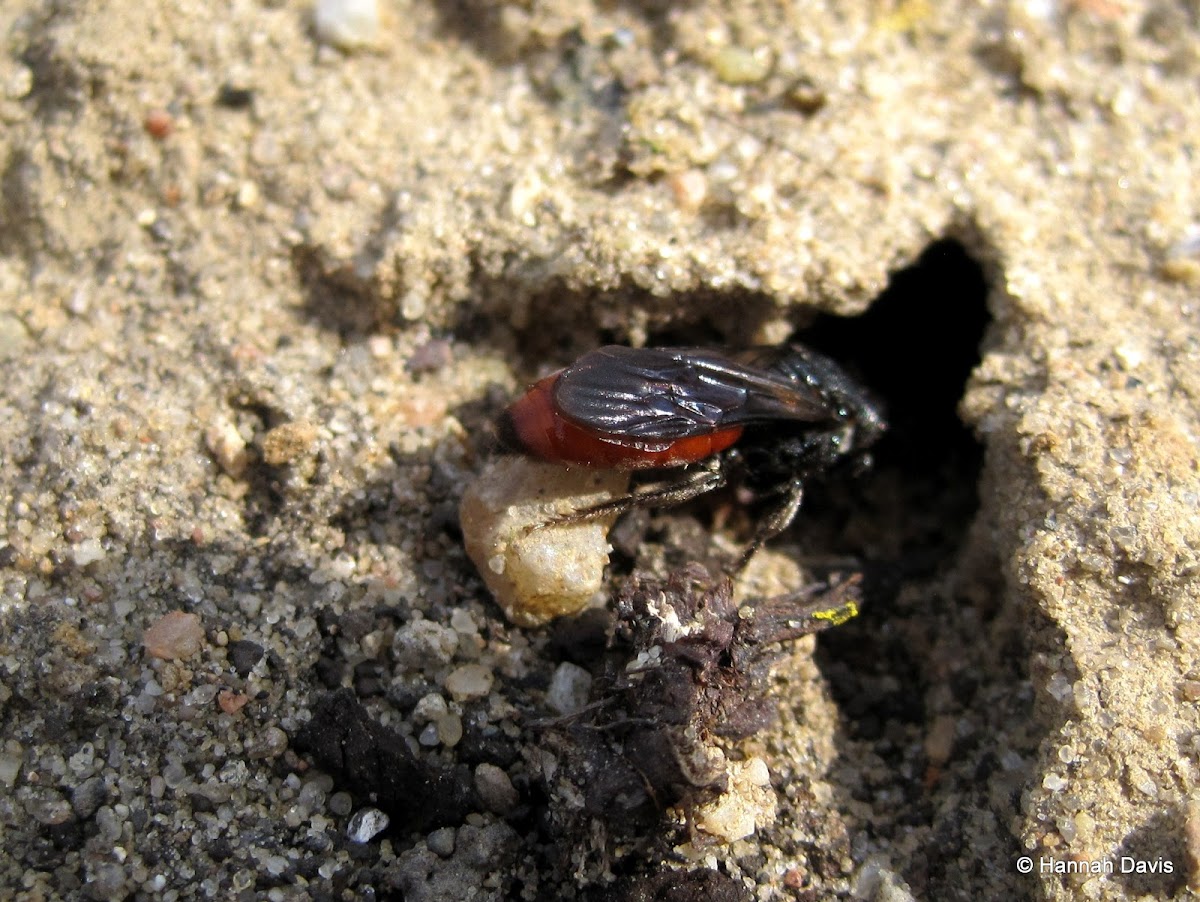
768, 418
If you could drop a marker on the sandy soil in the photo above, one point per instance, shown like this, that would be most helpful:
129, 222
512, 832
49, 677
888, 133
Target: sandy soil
259, 299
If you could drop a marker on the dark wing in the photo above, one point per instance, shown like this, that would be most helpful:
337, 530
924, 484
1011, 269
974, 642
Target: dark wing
674, 393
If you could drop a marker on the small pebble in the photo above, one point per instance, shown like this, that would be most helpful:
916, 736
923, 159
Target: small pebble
347, 24
243, 655
449, 730
441, 842
49, 807
87, 552
227, 447
739, 66
106, 880
757, 773
270, 743
341, 804
463, 623
807, 96
79, 302
746, 806
537, 575
380, 346
366, 824
232, 702
1054, 782
234, 97
312, 794
421, 643
158, 124
876, 880
569, 688
275, 865
174, 775
690, 189
495, 789
413, 305
469, 681
88, 796
430, 708
247, 196
175, 637
429, 736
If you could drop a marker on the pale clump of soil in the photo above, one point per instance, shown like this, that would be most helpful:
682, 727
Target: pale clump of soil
260, 298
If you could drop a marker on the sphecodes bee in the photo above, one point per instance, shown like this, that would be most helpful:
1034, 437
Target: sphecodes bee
768, 418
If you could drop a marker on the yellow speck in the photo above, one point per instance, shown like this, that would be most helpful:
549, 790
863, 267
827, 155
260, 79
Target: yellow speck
839, 615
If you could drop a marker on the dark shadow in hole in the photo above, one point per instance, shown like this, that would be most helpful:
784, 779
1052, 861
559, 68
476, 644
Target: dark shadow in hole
934, 648
915, 348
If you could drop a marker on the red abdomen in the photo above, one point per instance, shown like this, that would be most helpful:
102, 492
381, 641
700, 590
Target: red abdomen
537, 427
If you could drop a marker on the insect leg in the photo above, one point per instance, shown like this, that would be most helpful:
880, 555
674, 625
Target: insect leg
773, 523
691, 485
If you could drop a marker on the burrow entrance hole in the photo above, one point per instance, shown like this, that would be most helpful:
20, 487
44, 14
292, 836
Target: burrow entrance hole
931, 680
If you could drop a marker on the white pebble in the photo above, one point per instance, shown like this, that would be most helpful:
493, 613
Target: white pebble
429, 708
347, 24
1054, 782
538, 574
469, 681
423, 642
747, 805
87, 552
366, 824
569, 688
